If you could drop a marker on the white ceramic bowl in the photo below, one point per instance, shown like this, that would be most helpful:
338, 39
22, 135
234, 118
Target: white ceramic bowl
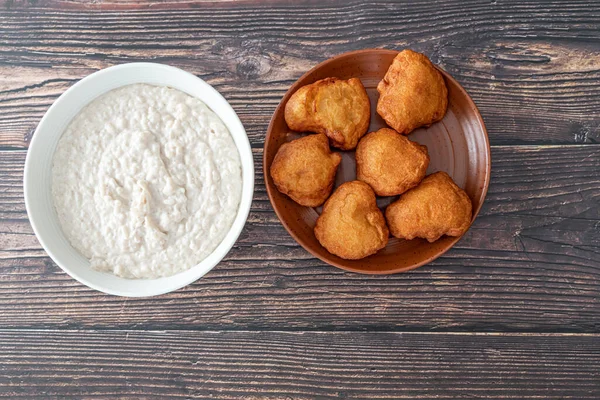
37, 177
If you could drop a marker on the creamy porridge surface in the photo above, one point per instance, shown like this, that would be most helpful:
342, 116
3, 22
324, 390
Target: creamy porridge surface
146, 181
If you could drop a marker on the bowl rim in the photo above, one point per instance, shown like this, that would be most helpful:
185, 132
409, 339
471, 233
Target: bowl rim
179, 280
295, 86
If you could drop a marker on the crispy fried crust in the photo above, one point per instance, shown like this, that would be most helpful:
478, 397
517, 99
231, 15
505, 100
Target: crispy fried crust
390, 163
304, 169
338, 108
434, 208
412, 93
351, 226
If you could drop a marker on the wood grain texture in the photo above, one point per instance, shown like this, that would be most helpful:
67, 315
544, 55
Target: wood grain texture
532, 67
277, 365
270, 321
530, 262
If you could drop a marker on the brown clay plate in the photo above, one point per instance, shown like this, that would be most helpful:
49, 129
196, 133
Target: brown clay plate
458, 145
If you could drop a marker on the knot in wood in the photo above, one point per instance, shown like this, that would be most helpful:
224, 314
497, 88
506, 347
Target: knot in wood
253, 67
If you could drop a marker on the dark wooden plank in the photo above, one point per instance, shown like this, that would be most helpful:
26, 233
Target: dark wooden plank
530, 262
531, 66
276, 365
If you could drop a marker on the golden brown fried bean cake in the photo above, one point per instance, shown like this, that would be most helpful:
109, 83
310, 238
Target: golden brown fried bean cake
338, 108
434, 208
412, 93
390, 163
351, 226
304, 169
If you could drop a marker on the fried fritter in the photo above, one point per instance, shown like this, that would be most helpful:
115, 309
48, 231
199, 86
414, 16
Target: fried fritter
338, 108
305, 168
412, 93
434, 208
390, 163
351, 226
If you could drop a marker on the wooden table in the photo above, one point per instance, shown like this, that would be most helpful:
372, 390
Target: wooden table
512, 311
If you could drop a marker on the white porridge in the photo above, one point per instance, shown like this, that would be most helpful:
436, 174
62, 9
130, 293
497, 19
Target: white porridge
146, 181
